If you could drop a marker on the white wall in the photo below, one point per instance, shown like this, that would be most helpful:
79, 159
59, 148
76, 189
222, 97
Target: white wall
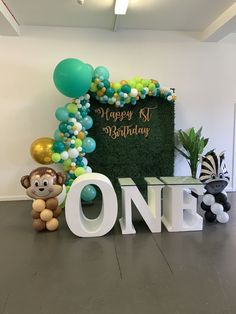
203, 74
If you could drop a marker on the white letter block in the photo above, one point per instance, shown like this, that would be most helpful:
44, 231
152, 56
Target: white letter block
150, 212
78, 223
179, 205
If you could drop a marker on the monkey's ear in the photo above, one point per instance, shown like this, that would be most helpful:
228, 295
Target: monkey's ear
61, 178
25, 181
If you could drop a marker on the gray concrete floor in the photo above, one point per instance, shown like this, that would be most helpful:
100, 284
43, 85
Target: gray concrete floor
190, 272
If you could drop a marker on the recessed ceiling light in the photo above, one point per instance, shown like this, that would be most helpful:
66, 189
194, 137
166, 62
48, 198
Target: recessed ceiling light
121, 7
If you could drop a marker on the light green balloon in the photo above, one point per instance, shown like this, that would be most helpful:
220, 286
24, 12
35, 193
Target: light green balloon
137, 79
116, 86
79, 171
132, 83
56, 157
67, 162
93, 87
151, 86
78, 143
72, 108
139, 87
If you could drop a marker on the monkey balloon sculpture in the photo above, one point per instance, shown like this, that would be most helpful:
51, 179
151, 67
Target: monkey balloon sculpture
215, 177
44, 185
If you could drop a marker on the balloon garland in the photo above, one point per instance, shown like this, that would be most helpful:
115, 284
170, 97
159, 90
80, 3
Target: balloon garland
71, 143
126, 92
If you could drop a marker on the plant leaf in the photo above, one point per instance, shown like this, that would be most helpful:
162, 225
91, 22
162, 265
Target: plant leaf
182, 153
191, 134
199, 132
206, 142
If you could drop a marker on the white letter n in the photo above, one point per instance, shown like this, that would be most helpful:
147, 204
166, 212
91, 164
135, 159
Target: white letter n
150, 212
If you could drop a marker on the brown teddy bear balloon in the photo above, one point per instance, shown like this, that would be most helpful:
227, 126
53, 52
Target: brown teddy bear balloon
44, 185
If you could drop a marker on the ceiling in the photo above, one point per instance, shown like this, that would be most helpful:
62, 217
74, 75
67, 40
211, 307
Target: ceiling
165, 15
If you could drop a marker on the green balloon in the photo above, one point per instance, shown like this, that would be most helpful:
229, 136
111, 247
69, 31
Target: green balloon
139, 87
72, 77
151, 86
79, 171
56, 157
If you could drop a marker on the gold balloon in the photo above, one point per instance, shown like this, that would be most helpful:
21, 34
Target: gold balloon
41, 150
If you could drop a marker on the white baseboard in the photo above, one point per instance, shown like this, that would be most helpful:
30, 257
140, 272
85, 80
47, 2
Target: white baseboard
14, 198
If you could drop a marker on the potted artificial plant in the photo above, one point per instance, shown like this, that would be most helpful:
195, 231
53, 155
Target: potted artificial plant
193, 145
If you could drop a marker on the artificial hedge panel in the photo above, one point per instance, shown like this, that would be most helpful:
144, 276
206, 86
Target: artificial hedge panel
142, 144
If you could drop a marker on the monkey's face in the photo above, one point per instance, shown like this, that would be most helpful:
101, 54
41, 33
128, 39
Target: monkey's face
43, 187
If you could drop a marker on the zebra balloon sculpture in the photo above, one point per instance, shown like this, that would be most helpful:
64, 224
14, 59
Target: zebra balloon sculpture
215, 177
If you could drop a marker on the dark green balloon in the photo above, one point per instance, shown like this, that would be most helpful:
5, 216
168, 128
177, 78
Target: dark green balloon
72, 77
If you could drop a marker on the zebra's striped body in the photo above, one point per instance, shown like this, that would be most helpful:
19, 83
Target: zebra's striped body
214, 173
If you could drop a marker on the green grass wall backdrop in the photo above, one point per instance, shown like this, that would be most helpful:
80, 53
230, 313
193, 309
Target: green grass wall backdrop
133, 141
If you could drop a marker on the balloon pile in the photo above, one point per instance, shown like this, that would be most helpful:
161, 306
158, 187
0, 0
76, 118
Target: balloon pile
72, 142
216, 207
126, 92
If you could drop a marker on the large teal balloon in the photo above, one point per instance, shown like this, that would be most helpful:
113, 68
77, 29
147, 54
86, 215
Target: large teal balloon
90, 68
72, 77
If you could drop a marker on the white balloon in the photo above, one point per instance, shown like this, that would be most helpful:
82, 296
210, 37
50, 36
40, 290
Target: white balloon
217, 209
134, 92
89, 169
208, 199
222, 218
61, 197
73, 152
78, 126
85, 161
64, 155
72, 120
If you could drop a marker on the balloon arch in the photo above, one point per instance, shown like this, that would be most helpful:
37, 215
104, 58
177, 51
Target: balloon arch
78, 80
